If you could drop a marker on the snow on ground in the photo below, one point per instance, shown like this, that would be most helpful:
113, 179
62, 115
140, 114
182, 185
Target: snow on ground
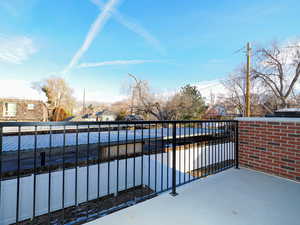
10, 143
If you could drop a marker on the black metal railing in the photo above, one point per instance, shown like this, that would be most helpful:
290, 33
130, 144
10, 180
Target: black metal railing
73, 172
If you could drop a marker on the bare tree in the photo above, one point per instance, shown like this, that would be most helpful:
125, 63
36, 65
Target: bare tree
278, 69
186, 104
58, 93
234, 99
145, 102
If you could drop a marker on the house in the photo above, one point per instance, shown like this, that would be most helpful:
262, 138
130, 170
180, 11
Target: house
105, 115
215, 112
133, 118
22, 110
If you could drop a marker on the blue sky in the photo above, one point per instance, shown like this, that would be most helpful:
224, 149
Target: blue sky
171, 42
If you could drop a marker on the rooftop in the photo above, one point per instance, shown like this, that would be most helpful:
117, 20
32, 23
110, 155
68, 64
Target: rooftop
232, 197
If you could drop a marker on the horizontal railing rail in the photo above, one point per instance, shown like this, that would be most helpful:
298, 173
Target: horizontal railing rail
69, 172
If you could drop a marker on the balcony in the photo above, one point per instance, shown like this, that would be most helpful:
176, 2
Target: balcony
77, 172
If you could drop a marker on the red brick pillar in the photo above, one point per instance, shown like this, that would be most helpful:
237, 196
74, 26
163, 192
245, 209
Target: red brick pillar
271, 145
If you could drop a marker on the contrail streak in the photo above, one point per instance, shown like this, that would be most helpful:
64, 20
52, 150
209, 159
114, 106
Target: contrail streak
115, 62
95, 28
136, 28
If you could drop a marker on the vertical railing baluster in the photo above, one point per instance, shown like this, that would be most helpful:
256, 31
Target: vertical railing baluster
210, 155
216, 165
207, 131
184, 151
198, 146
229, 140
189, 146
225, 144
168, 164
98, 168
173, 193
63, 178
218, 148
134, 154
195, 166
1, 149
221, 146
228, 143
88, 171
18, 175
149, 152
126, 156
49, 175
108, 164
162, 157
180, 151
211, 146
76, 170
233, 140
142, 156
231, 143
155, 170
118, 155
34, 173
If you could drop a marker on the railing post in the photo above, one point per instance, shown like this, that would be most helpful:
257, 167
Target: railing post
1, 136
237, 145
173, 193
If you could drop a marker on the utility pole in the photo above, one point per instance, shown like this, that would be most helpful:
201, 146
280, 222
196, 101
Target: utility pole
83, 102
247, 113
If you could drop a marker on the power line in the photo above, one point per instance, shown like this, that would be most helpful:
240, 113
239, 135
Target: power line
239, 50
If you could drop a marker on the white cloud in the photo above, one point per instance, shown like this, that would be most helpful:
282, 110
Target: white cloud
95, 29
135, 27
115, 62
16, 50
19, 89
214, 87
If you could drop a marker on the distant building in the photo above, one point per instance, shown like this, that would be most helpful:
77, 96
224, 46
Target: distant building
215, 112
133, 118
105, 115
22, 110
286, 112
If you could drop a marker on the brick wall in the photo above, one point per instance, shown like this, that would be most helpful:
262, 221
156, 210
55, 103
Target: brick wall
271, 145
39, 113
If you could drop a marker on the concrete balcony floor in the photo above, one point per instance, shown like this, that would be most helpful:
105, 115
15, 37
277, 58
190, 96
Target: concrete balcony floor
233, 197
